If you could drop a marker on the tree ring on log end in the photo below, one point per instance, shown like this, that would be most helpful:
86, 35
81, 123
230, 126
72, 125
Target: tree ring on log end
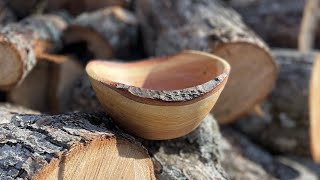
253, 65
100, 159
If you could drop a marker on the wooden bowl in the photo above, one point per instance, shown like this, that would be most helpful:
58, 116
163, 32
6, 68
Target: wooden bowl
160, 98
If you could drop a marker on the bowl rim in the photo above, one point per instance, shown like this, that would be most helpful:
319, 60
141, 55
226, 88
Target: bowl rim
158, 97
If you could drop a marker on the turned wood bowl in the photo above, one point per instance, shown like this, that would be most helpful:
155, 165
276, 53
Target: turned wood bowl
160, 98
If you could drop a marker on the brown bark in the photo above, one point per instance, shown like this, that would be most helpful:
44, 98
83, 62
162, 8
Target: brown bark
277, 22
21, 43
171, 26
109, 32
45, 146
285, 126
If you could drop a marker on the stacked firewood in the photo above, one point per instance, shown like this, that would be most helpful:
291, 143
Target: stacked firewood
53, 127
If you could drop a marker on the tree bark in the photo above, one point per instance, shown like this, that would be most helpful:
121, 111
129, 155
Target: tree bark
171, 26
109, 32
22, 43
6, 15
44, 146
285, 128
245, 160
277, 22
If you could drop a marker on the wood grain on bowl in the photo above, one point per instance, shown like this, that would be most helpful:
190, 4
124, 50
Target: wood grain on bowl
160, 98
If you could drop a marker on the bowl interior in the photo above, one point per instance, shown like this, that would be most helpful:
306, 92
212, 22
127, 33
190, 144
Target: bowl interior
184, 70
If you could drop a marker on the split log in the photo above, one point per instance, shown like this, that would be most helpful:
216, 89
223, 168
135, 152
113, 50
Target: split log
64, 146
109, 32
22, 43
285, 128
170, 26
277, 22
43, 146
52, 83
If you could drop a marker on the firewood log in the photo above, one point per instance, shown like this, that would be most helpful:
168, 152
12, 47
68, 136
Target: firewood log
6, 15
52, 83
277, 22
170, 26
109, 32
286, 126
63, 146
77, 7
245, 160
22, 43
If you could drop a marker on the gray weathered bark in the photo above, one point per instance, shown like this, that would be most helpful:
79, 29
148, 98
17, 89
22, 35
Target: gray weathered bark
32, 142
285, 126
277, 22
21, 43
109, 32
170, 26
245, 160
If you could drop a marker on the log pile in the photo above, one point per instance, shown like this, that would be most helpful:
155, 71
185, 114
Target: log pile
265, 124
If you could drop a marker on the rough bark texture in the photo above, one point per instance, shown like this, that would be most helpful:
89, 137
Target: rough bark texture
171, 26
31, 143
285, 126
77, 7
245, 160
277, 22
38, 139
109, 32
82, 97
195, 156
28, 39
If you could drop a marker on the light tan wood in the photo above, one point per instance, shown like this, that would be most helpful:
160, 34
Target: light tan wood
314, 102
100, 160
21, 43
309, 25
162, 98
47, 87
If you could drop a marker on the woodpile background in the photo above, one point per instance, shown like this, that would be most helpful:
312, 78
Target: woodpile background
265, 125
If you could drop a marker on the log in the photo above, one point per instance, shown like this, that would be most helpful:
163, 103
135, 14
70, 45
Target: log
6, 15
54, 147
109, 32
245, 160
170, 26
22, 43
309, 25
285, 128
277, 22
44, 146
77, 7
52, 82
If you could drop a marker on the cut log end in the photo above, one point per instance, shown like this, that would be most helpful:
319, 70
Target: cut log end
95, 42
118, 159
11, 66
252, 64
314, 100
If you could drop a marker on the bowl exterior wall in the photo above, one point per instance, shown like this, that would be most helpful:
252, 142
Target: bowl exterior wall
153, 121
